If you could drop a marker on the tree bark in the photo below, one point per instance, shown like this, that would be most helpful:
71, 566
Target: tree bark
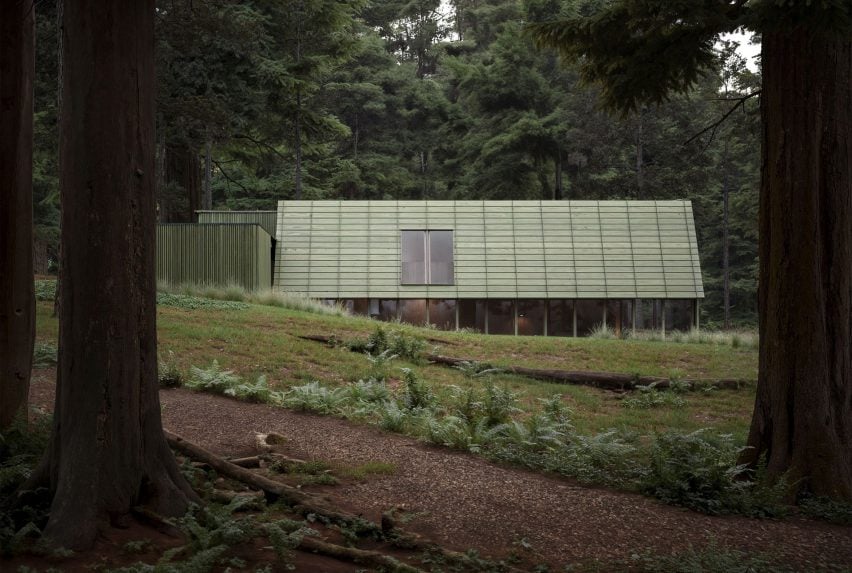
17, 298
107, 451
726, 242
802, 418
184, 168
207, 198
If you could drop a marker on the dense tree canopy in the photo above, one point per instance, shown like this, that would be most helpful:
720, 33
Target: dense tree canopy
387, 99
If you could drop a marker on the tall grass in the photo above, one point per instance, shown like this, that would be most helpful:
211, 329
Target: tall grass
266, 297
732, 338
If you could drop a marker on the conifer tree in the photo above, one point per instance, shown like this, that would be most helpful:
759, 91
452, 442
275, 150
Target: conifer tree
642, 52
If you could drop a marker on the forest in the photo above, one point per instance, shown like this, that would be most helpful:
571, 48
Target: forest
147, 427
320, 99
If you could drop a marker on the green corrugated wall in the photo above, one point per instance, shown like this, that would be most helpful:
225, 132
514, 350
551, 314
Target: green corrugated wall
214, 254
502, 249
266, 219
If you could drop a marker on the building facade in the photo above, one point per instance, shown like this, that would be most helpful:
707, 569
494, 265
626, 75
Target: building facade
561, 268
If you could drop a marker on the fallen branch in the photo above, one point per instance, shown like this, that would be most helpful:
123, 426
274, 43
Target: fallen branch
604, 380
303, 502
307, 504
360, 556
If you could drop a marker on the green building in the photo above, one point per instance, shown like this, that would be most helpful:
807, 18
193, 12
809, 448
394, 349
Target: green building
219, 254
559, 268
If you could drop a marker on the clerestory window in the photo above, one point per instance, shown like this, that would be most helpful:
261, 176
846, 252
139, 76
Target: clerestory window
427, 258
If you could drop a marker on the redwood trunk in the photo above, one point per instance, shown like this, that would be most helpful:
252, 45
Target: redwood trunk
184, 168
803, 413
108, 452
17, 299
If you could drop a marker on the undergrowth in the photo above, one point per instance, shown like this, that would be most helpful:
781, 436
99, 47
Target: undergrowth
696, 470
243, 297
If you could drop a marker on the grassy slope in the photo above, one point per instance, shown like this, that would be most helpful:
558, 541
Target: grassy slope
261, 340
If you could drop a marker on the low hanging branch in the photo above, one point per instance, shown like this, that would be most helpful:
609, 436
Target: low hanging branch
604, 380
740, 102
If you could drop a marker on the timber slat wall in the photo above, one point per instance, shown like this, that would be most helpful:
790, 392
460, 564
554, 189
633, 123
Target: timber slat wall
503, 249
266, 219
214, 254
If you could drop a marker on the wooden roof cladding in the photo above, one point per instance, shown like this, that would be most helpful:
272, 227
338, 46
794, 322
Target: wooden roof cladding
502, 249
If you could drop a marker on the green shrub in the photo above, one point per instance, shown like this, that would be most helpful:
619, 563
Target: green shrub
368, 391
195, 303
699, 470
257, 391
313, 397
418, 394
397, 343
711, 559
212, 379
459, 433
44, 355
379, 363
168, 372
826, 508
649, 397
45, 290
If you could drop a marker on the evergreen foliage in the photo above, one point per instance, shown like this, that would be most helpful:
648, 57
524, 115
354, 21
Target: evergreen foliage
401, 100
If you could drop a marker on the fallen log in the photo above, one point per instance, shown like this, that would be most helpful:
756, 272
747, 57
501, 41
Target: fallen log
307, 504
360, 556
302, 502
612, 381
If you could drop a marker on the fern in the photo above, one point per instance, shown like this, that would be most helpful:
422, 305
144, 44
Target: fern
212, 379
313, 397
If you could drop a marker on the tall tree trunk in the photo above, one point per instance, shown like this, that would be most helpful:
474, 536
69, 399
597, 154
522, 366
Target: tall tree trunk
300, 11
184, 169
557, 189
298, 143
640, 157
107, 451
803, 413
17, 299
726, 243
207, 197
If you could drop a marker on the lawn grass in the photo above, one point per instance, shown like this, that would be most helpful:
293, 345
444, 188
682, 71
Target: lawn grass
256, 340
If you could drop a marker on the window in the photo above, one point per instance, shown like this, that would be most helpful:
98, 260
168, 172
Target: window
442, 313
501, 317
560, 317
413, 311
530, 317
427, 258
472, 314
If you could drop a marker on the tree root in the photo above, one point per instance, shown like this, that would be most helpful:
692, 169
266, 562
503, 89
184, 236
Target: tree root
302, 502
612, 381
308, 504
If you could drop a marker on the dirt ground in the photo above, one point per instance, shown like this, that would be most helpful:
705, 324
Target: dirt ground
466, 502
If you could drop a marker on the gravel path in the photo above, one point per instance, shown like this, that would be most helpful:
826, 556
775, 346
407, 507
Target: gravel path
464, 501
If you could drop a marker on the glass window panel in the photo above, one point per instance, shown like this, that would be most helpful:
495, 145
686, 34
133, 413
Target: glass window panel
590, 315
374, 308
560, 317
441, 257
619, 316
413, 311
649, 315
679, 315
442, 313
472, 314
501, 317
387, 309
413, 257
360, 306
531, 317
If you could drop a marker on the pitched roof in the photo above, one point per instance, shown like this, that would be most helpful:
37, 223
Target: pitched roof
502, 249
